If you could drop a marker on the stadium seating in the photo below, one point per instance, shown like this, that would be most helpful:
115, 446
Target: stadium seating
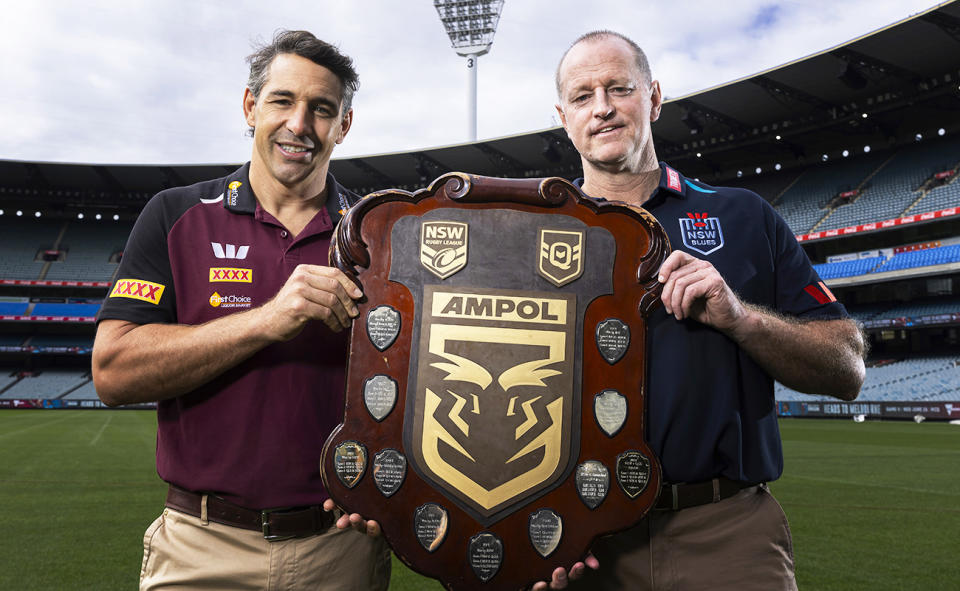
22, 239
13, 308
84, 392
52, 383
88, 245
892, 190
931, 379
802, 205
848, 268
84, 310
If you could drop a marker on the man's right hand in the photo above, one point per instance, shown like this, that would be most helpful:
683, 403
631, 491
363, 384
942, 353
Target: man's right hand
312, 292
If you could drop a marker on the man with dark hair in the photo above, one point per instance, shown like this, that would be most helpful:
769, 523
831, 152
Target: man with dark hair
742, 306
226, 314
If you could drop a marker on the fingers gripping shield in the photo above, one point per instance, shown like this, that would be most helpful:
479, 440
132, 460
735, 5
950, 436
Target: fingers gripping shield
479, 412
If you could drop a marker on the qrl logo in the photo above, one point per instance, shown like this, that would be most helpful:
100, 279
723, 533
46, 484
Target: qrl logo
561, 256
443, 247
136, 289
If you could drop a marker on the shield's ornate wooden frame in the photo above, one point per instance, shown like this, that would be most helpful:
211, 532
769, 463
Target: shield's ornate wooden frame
494, 415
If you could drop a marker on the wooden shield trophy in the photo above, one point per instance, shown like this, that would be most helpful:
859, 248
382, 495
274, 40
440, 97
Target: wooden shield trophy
494, 418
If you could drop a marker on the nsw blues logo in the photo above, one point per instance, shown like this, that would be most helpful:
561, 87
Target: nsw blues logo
701, 233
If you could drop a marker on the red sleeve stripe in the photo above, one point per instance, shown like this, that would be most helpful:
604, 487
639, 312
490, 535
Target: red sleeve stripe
818, 295
827, 291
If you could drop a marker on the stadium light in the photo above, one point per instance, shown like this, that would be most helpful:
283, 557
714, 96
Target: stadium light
759, 170
470, 25
19, 213
116, 217
918, 137
778, 137
98, 216
1, 212
941, 132
739, 173
777, 166
825, 157
846, 153
36, 214
866, 149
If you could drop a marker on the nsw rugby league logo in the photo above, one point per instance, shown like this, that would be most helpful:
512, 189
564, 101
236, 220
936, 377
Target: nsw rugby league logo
443, 247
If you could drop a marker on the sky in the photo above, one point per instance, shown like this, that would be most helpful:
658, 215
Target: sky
161, 82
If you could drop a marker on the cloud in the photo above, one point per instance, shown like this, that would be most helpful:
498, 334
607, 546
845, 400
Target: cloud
161, 81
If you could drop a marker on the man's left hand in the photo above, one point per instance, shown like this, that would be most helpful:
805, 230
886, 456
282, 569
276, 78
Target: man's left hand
693, 288
354, 520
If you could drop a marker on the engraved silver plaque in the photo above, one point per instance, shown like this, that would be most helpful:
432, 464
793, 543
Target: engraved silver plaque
430, 525
593, 483
379, 396
389, 470
546, 529
350, 462
485, 554
383, 326
610, 410
633, 472
613, 339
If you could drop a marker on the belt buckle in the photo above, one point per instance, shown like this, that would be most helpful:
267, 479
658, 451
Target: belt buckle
675, 490
265, 525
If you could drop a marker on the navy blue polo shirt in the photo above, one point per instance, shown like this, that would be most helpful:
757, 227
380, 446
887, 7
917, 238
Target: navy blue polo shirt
253, 435
710, 407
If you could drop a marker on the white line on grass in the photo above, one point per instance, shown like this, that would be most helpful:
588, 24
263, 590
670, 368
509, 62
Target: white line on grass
67, 415
102, 429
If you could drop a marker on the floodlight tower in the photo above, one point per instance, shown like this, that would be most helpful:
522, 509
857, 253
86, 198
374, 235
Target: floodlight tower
471, 25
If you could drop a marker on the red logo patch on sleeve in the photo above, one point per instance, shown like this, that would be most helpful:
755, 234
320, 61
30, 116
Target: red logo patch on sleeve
820, 293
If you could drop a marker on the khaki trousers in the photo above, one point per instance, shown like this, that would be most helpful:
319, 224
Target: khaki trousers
184, 552
740, 543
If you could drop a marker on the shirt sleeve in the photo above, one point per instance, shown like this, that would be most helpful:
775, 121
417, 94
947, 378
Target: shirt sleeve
800, 291
144, 292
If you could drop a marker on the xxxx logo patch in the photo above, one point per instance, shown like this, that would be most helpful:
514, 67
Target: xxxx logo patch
230, 275
136, 289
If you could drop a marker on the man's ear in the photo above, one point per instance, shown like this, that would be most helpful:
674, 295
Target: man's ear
249, 102
345, 124
656, 100
563, 118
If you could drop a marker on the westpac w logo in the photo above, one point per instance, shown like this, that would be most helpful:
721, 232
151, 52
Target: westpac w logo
229, 251
701, 233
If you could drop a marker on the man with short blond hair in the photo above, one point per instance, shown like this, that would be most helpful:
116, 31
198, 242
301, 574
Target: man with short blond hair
742, 306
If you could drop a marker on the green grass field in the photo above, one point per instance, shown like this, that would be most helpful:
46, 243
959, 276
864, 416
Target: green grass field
872, 506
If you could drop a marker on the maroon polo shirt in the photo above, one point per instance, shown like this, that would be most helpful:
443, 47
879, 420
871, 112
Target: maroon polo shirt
254, 434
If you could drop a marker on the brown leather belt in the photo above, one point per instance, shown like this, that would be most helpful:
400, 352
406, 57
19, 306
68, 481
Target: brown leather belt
276, 524
674, 497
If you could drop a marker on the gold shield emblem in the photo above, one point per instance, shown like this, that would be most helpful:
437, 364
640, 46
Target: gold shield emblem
494, 394
443, 247
561, 256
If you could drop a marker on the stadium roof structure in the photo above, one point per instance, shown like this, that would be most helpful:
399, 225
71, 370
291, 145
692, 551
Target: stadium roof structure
880, 89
